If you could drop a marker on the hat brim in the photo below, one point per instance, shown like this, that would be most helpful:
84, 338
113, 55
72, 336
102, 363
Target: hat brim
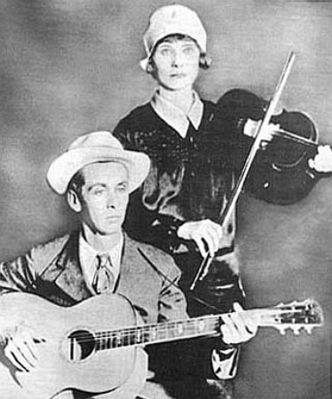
186, 30
64, 167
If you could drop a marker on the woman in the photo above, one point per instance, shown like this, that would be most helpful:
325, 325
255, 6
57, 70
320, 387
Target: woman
197, 149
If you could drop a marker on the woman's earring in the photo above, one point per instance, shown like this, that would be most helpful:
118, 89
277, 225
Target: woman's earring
149, 68
205, 61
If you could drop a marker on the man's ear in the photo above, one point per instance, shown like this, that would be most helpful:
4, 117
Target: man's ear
74, 201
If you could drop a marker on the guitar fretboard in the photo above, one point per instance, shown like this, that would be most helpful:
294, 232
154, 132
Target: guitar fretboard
161, 332
295, 316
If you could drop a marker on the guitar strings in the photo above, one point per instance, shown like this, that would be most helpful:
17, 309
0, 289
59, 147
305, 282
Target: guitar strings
189, 327
171, 328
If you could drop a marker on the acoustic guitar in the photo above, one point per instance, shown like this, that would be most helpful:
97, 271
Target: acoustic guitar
93, 346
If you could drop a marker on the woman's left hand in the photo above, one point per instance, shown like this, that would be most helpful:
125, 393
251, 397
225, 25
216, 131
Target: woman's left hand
322, 162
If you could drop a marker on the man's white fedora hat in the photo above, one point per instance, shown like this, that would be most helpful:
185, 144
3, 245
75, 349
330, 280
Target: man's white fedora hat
169, 20
94, 147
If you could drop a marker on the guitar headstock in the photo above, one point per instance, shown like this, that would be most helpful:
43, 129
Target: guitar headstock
296, 315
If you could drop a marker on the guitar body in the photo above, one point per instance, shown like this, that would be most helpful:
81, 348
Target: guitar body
96, 346
67, 357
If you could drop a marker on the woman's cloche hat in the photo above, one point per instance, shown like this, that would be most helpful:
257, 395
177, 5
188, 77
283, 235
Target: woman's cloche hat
169, 20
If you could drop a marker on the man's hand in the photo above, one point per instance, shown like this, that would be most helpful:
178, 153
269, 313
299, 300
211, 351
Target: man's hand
238, 327
322, 162
205, 233
21, 348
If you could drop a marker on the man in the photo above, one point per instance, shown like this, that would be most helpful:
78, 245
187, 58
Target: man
97, 175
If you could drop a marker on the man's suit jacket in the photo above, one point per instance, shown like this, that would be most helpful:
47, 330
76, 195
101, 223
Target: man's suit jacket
53, 271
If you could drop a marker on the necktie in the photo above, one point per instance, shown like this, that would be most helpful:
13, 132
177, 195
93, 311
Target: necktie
103, 280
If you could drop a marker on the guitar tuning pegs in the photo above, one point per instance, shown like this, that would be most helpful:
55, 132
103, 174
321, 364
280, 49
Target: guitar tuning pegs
308, 329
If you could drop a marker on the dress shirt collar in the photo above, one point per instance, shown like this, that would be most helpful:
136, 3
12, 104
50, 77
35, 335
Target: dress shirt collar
174, 116
87, 256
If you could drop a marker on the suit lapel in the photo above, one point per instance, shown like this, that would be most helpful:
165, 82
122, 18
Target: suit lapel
133, 268
66, 271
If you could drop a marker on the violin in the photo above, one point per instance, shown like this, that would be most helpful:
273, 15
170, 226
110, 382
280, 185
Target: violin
294, 141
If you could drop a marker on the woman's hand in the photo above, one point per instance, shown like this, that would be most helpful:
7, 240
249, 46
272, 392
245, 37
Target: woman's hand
238, 327
205, 233
322, 162
251, 129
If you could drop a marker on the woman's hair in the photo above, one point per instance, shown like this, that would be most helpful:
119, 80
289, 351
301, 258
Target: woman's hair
204, 60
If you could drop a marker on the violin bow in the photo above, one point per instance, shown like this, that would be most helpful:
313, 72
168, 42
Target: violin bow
227, 211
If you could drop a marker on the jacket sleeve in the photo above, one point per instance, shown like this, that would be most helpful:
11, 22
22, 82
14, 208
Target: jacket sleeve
149, 226
172, 301
18, 275
24, 273
180, 357
269, 181
142, 223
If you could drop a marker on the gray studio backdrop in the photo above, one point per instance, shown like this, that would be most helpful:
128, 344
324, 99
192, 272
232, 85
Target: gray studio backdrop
68, 67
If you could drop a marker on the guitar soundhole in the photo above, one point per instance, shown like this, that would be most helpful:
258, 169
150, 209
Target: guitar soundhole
80, 345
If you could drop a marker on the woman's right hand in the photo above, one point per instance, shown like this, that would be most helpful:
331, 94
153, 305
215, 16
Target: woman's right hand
206, 234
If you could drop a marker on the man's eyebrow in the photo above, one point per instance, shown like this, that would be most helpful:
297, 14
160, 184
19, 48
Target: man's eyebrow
123, 183
96, 184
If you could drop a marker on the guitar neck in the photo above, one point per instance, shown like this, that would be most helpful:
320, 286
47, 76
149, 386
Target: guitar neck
160, 332
169, 331
294, 316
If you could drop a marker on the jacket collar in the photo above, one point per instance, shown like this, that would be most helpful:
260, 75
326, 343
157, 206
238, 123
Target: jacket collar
66, 272
174, 116
132, 267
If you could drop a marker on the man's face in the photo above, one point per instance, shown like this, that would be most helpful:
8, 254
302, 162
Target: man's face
104, 197
176, 63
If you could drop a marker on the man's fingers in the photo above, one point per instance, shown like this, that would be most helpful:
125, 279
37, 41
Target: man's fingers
16, 358
10, 356
24, 355
228, 331
28, 354
250, 321
21, 349
237, 307
31, 344
238, 326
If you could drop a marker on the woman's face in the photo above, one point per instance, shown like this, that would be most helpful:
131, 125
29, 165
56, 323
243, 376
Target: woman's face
176, 63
